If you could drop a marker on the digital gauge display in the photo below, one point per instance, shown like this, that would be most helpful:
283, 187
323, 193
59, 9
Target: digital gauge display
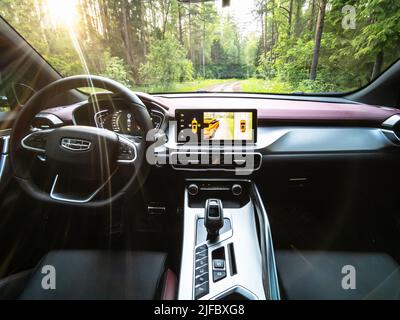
123, 121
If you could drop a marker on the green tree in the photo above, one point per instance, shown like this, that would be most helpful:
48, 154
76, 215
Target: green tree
166, 63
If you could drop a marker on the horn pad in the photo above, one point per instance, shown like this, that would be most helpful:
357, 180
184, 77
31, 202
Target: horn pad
82, 151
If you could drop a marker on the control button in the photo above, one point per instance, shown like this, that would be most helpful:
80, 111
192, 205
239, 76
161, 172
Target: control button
36, 140
219, 264
193, 189
201, 255
237, 189
218, 275
201, 291
126, 152
201, 248
201, 279
200, 271
201, 263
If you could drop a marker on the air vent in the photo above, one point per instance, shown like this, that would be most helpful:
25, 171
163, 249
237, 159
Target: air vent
391, 129
46, 121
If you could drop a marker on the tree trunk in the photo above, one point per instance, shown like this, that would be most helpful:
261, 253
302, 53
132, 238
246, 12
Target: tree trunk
143, 28
290, 14
297, 26
126, 34
203, 53
265, 18
180, 23
106, 20
165, 18
272, 25
311, 23
318, 37
377, 65
190, 32
272, 38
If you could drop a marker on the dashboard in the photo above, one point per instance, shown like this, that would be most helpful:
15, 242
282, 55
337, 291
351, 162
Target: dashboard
270, 129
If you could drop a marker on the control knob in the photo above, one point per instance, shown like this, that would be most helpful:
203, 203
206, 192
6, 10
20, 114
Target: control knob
237, 189
193, 189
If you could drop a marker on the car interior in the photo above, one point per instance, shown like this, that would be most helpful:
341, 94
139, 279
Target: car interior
123, 195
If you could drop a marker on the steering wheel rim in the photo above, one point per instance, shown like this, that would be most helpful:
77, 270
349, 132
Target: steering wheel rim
37, 103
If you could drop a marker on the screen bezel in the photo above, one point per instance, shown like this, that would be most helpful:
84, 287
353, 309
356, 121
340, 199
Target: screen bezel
203, 141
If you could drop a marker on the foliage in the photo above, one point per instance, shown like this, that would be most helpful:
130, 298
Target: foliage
115, 69
156, 44
166, 63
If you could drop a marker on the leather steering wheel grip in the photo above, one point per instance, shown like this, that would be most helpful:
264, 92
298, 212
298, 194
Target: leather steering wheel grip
19, 159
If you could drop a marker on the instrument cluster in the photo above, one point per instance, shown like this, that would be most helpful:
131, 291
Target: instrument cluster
123, 121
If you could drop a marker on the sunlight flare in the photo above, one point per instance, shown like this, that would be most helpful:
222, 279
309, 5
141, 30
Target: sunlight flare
62, 12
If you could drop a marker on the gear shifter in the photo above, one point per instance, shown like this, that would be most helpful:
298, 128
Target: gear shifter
213, 217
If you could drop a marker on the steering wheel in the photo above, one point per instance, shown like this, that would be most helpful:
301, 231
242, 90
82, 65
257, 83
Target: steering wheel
81, 156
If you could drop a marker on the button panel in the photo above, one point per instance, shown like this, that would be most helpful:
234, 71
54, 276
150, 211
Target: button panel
218, 264
201, 276
218, 275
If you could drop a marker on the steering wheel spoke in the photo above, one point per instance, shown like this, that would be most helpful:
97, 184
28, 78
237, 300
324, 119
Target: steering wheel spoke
127, 149
36, 141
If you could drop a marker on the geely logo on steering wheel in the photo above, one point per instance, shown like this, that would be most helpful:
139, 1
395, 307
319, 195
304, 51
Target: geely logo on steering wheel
74, 144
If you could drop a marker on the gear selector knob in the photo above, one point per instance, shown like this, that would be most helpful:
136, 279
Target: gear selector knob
213, 217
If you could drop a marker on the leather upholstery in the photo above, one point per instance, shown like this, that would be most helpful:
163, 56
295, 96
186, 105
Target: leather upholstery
170, 283
100, 275
318, 275
12, 286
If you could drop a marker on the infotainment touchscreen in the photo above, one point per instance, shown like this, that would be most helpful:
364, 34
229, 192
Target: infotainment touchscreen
216, 125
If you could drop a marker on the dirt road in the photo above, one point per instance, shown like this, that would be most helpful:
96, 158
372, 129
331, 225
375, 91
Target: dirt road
233, 86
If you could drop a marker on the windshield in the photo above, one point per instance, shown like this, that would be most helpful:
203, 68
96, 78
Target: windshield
274, 46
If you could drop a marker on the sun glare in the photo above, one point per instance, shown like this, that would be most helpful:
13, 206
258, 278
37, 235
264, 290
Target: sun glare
62, 12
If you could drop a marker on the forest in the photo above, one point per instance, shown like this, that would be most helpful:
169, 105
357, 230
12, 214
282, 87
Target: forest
275, 46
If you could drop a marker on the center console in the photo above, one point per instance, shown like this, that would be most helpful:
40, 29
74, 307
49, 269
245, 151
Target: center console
227, 248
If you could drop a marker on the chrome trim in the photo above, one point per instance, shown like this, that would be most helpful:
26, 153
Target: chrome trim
391, 121
391, 136
32, 148
75, 144
60, 197
6, 143
4, 155
238, 289
388, 131
3, 160
96, 119
41, 158
270, 274
161, 210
